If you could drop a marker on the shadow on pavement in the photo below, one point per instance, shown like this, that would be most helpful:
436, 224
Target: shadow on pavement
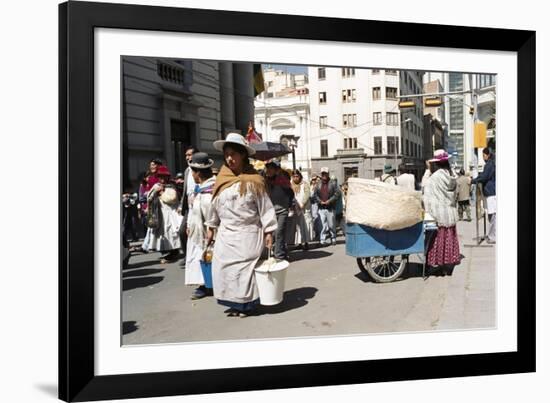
412, 270
129, 327
132, 283
141, 272
415, 270
310, 254
292, 299
141, 264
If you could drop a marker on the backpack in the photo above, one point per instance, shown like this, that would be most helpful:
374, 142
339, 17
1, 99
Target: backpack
154, 214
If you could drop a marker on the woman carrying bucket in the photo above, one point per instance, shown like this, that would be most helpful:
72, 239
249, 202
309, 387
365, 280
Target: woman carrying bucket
200, 201
244, 219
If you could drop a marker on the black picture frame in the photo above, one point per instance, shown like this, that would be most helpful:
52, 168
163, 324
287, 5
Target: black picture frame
77, 21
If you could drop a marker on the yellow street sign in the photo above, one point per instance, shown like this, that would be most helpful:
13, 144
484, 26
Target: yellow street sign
480, 135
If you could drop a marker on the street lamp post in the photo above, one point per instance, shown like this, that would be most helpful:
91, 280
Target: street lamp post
293, 143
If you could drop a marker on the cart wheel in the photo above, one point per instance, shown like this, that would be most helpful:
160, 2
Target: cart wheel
383, 269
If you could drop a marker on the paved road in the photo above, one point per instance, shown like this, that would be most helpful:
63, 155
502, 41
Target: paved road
326, 294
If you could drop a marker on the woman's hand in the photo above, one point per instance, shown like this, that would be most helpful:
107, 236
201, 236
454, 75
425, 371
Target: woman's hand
269, 240
209, 236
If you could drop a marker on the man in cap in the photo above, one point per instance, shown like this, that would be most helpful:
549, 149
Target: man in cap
326, 194
282, 196
389, 175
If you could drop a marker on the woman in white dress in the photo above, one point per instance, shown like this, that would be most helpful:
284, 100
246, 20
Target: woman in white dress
302, 216
165, 237
244, 220
199, 202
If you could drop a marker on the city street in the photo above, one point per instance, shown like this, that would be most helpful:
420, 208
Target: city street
325, 294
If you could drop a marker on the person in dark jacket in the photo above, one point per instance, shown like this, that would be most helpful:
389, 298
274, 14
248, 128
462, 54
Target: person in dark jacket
282, 197
325, 195
487, 178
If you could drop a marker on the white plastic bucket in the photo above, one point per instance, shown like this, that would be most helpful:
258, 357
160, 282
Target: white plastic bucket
270, 278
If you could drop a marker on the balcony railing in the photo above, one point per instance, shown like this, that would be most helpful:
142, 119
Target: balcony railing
171, 73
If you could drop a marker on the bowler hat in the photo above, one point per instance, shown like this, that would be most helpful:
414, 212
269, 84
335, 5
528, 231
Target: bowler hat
201, 161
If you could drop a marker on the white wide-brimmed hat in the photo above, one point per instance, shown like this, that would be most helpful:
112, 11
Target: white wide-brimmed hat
234, 138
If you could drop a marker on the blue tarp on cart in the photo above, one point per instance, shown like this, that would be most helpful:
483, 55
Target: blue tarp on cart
364, 241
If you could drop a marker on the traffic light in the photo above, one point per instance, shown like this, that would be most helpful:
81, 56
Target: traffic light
406, 104
433, 101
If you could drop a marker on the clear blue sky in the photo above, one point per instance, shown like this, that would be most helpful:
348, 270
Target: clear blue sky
290, 68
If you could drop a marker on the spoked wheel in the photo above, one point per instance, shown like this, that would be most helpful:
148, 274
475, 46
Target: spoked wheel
383, 269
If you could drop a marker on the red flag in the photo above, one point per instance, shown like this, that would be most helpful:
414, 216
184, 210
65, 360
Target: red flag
253, 136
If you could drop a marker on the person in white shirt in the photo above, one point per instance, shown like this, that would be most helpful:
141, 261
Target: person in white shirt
406, 180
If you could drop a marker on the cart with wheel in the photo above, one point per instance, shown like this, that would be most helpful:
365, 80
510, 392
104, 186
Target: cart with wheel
384, 254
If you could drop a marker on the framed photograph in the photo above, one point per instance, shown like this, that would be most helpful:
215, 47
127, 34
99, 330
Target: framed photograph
260, 201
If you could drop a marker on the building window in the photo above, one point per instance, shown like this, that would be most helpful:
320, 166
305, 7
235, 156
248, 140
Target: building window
348, 72
353, 96
375, 71
407, 147
322, 97
375, 93
348, 96
486, 80
350, 142
391, 93
323, 122
391, 72
392, 118
456, 143
406, 79
349, 120
270, 95
324, 148
377, 145
393, 146
321, 73
377, 118
456, 113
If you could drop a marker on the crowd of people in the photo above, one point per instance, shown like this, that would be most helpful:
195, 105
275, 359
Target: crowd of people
237, 211
241, 213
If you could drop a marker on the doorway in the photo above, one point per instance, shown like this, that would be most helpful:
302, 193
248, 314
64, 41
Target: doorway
181, 134
350, 172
